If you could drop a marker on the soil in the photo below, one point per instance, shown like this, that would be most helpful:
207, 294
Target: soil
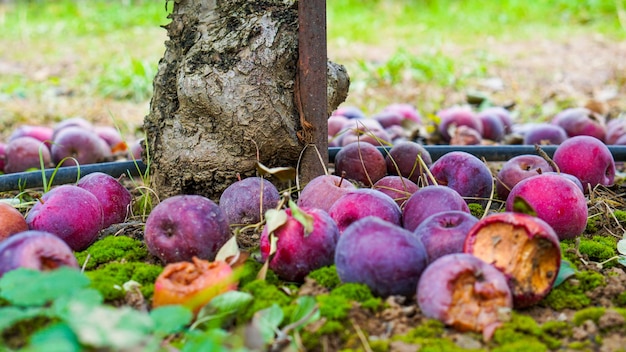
539, 77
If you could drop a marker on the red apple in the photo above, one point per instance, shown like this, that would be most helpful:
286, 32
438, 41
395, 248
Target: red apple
361, 162
322, 192
588, 159
453, 117
24, 153
11, 221
517, 169
444, 232
466, 174
581, 122
430, 200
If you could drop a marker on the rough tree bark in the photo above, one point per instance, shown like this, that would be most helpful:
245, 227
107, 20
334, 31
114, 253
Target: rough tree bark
224, 87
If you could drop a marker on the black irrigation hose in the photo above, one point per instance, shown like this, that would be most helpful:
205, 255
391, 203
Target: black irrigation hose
64, 175
68, 174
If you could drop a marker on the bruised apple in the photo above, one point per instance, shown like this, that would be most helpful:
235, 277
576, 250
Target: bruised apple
37, 250
523, 247
192, 284
464, 292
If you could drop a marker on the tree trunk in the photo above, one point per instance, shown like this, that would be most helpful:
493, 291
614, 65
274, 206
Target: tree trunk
225, 87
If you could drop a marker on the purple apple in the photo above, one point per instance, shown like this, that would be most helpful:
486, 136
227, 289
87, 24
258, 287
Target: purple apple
79, 143
517, 169
364, 202
556, 200
244, 202
186, 226
383, 256
453, 117
569, 177
615, 129
389, 118
466, 174
397, 187
70, 212
503, 114
136, 149
351, 112
378, 137
3, 156
25, 153
71, 122
523, 247
40, 133
493, 127
544, 134
588, 159
402, 160
336, 124
301, 247
464, 292
322, 192
444, 233
38, 250
430, 200
361, 162
581, 122
114, 198
111, 136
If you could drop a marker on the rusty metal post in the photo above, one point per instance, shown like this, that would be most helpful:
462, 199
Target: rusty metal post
311, 93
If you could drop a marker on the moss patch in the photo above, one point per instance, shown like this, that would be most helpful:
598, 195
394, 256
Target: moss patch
326, 277
599, 249
523, 333
113, 248
265, 294
571, 293
590, 313
109, 278
476, 209
428, 336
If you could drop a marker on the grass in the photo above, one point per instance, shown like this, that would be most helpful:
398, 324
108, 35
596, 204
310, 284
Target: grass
395, 50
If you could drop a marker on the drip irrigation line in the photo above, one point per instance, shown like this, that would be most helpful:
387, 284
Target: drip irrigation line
69, 174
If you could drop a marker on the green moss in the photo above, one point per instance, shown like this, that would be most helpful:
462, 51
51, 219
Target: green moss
379, 345
599, 248
620, 215
592, 225
522, 328
326, 277
430, 328
333, 307
591, 313
265, 294
112, 248
360, 293
476, 209
580, 345
620, 300
109, 278
16, 336
250, 271
556, 328
571, 293
523, 345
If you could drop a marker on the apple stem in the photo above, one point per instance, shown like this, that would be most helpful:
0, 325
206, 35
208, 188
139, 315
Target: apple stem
545, 156
343, 177
238, 177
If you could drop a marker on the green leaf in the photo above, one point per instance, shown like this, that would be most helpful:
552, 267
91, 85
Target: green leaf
267, 321
305, 307
54, 338
170, 319
302, 217
28, 287
108, 327
565, 271
11, 315
222, 306
520, 205
621, 246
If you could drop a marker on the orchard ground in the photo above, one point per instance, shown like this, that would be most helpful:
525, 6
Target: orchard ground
52, 72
